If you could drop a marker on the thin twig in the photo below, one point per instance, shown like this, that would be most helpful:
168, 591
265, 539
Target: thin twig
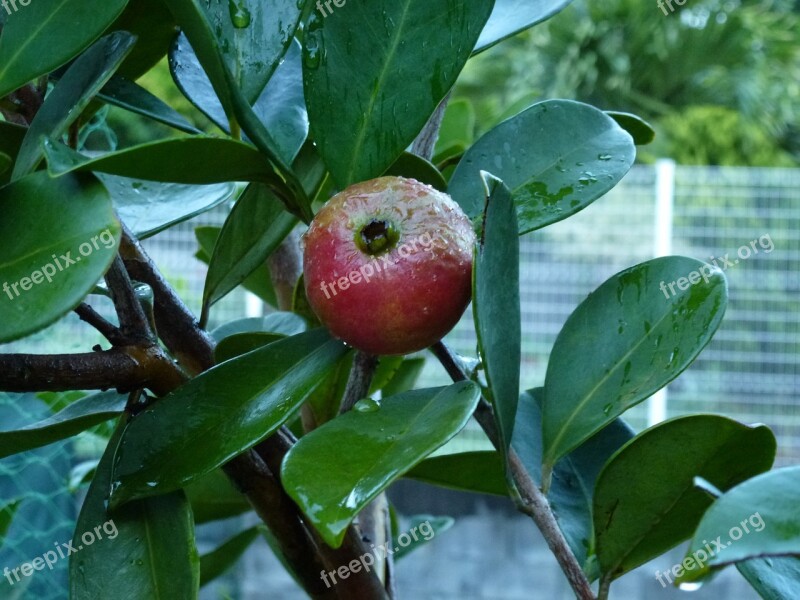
285, 267
133, 322
109, 331
360, 379
531, 501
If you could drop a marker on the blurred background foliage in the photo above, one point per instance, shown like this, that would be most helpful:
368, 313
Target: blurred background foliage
719, 79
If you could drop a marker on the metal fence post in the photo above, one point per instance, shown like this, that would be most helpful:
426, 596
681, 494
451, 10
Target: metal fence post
662, 246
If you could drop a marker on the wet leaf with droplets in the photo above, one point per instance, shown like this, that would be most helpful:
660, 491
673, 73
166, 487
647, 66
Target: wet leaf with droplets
764, 510
337, 469
143, 550
374, 74
496, 307
599, 369
557, 157
220, 414
645, 499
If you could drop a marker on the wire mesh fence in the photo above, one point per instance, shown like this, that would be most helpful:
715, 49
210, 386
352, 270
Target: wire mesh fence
745, 220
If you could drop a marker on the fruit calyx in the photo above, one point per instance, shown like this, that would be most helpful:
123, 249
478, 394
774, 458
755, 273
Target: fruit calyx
377, 236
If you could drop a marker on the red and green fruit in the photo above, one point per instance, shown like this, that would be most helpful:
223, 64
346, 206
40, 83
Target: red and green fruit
388, 265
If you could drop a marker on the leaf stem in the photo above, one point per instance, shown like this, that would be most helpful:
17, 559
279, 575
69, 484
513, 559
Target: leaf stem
531, 501
361, 374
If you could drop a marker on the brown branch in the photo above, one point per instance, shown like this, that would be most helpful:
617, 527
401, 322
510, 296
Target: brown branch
177, 326
89, 315
256, 481
125, 368
285, 268
133, 322
532, 501
360, 379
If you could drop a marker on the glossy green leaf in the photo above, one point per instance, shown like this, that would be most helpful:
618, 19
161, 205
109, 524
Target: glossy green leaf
495, 305
149, 207
143, 550
774, 578
325, 401
757, 518
370, 89
42, 36
420, 530
82, 81
70, 218
152, 24
259, 282
195, 23
253, 230
641, 131
645, 500
219, 414
387, 367
194, 160
253, 36
242, 343
78, 416
467, 471
557, 157
213, 498
512, 16
130, 96
458, 126
311, 170
284, 323
81, 475
415, 167
337, 469
623, 343
7, 512
405, 377
280, 106
300, 304
571, 493
218, 561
